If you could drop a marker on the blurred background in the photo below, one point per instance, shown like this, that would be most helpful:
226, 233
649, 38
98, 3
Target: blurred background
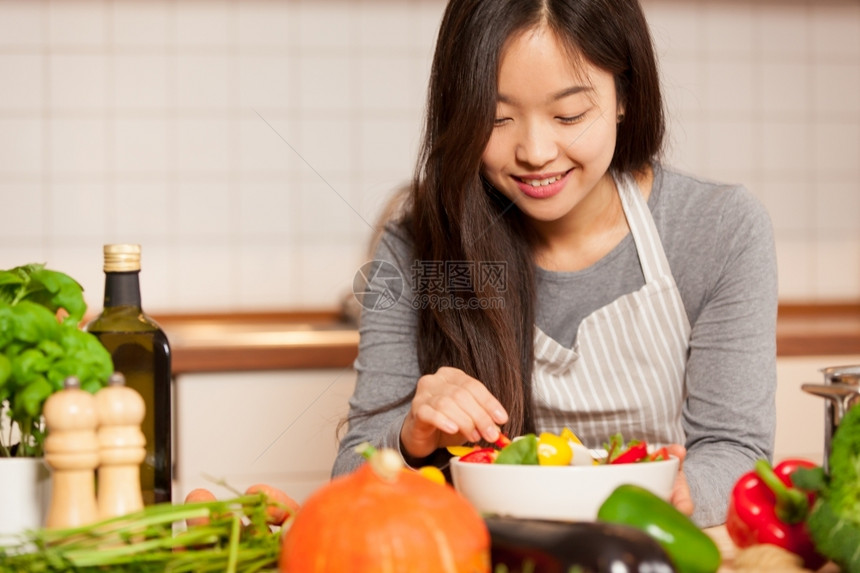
249, 146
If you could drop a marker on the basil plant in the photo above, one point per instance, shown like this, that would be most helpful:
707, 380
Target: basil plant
41, 344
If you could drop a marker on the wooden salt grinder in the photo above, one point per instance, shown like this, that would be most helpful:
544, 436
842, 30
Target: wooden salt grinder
121, 448
71, 450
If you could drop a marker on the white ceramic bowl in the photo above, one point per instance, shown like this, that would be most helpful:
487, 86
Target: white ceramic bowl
563, 493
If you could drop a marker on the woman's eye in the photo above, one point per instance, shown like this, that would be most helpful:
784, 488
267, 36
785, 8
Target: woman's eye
571, 118
500, 121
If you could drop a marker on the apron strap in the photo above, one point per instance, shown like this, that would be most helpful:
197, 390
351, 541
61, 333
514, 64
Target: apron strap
652, 258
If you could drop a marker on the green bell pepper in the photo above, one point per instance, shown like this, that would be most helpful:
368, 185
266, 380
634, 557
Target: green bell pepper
689, 548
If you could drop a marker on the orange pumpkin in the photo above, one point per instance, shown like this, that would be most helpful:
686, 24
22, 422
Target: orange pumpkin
380, 518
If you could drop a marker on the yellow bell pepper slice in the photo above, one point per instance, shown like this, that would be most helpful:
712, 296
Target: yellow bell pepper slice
432, 473
553, 450
568, 434
458, 451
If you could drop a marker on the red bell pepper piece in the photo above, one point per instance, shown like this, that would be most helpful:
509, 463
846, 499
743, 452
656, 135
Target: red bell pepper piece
661, 454
502, 441
481, 456
635, 452
765, 507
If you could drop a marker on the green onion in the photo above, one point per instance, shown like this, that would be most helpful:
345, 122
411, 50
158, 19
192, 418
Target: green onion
236, 539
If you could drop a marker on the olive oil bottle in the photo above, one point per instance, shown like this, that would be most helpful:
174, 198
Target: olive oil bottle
141, 351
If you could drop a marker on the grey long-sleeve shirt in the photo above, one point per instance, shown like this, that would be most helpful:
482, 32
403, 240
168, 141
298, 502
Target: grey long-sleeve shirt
719, 243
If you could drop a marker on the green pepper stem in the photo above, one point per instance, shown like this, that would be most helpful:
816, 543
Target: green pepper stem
365, 449
385, 462
792, 505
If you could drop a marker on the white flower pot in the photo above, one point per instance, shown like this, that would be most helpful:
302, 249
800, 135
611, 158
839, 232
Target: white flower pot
25, 494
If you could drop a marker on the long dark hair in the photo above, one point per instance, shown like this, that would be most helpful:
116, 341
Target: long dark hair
454, 215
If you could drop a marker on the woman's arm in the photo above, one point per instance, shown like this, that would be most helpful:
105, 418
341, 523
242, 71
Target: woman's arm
729, 414
417, 415
387, 364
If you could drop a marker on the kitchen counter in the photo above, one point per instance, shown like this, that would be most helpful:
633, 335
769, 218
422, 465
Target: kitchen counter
324, 339
259, 341
815, 330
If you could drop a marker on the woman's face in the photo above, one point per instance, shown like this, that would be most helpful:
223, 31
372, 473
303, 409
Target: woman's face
555, 128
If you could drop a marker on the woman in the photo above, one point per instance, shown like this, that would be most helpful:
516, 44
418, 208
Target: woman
556, 274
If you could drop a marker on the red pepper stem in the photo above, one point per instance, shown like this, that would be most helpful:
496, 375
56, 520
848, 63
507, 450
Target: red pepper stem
792, 504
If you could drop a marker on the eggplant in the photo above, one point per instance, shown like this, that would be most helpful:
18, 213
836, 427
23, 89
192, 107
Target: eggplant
544, 546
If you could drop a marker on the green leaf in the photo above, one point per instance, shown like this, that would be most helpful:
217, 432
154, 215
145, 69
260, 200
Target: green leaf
83, 356
809, 479
71, 340
30, 364
29, 401
5, 370
22, 288
51, 349
10, 284
7, 325
10, 277
91, 385
60, 370
834, 536
59, 290
522, 451
33, 322
614, 447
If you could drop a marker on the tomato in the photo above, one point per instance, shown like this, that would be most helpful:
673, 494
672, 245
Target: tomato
553, 450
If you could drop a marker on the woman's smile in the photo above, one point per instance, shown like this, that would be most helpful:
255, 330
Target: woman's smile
541, 185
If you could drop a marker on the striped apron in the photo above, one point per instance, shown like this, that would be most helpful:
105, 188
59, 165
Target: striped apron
625, 371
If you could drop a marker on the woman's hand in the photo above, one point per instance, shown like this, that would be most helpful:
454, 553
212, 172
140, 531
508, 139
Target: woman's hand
681, 491
450, 408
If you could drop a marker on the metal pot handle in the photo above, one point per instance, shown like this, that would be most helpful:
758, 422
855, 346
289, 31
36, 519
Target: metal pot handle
838, 393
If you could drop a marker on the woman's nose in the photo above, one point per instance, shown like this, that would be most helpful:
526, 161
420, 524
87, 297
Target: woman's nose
536, 146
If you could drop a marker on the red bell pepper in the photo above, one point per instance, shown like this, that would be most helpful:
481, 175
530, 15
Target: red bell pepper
765, 507
660, 454
502, 441
487, 455
481, 456
635, 452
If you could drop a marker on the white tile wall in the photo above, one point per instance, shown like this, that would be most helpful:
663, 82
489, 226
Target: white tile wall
249, 146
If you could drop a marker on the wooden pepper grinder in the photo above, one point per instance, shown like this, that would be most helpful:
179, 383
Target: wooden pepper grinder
71, 450
121, 448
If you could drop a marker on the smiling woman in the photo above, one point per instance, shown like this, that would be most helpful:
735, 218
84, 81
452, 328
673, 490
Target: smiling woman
573, 133
634, 299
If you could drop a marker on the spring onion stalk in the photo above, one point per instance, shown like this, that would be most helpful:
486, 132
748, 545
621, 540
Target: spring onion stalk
237, 539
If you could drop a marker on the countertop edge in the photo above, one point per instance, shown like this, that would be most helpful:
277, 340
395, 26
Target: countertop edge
803, 329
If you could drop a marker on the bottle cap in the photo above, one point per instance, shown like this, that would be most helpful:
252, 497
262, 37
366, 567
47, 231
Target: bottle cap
122, 258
